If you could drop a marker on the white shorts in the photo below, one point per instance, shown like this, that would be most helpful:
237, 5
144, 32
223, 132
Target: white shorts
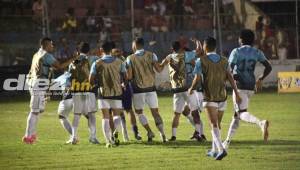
110, 104
65, 107
92, 103
139, 100
200, 100
221, 106
81, 103
245, 95
183, 98
37, 101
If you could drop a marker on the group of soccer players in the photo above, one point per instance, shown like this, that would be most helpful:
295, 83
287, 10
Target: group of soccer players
198, 80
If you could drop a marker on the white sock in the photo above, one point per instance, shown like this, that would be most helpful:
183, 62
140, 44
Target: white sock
66, 124
31, 124
92, 125
75, 125
106, 130
124, 129
117, 123
213, 143
198, 128
247, 117
174, 131
190, 119
232, 129
143, 119
217, 137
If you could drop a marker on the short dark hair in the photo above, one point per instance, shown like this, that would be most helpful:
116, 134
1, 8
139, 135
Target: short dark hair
84, 47
176, 46
107, 47
113, 44
247, 36
211, 43
44, 41
139, 41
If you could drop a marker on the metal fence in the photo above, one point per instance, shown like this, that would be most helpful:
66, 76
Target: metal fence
19, 35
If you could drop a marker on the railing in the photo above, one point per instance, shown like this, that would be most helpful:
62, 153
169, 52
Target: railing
19, 35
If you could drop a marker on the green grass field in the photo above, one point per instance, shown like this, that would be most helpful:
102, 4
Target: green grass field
247, 150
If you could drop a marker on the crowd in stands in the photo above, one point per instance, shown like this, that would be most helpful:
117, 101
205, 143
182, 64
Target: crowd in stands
109, 19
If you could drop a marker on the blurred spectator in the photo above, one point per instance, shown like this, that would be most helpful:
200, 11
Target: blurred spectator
70, 22
107, 21
90, 21
158, 23
269, 40
137, 30
259, 25
64, 51
103, 36
283, 44
178, 11
38, 10
157, 6
188, 6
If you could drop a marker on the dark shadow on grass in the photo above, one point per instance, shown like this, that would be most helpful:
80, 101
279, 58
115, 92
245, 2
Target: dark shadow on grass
190, 143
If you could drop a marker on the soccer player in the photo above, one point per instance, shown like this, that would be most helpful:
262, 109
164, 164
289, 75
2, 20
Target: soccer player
242, 61
142, 75
82, 95
42, 61
215, 72
181, 64
66, 104
108, 72
127, 104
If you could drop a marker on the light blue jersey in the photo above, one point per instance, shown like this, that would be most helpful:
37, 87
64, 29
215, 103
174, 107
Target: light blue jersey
243, 61
190, 56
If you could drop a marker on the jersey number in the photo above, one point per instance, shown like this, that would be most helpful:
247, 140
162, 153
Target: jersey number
247, 65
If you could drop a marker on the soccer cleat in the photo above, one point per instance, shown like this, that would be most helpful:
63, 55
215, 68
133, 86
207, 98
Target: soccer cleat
108, 145
72, 141
203, 137
172, 139
34, 137
116, 140
197, 136
163, 138
226, 144
265, 129
137, 136
211, 153
150, 136
221, 155
27, 140
94, 141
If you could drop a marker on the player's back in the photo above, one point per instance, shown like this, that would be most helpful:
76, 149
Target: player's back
243, 61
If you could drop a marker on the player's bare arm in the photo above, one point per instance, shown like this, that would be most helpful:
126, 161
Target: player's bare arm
59, 66
267, 71
196, 79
